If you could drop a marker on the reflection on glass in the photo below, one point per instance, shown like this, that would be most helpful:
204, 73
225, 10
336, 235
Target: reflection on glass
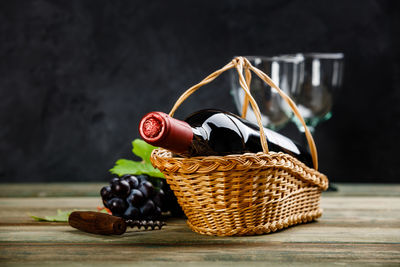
286, 72
322, 78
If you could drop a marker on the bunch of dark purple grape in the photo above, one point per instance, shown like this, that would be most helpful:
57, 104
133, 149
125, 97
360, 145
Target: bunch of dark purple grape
139, 198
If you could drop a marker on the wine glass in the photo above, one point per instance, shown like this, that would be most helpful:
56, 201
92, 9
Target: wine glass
322, 77
286, 72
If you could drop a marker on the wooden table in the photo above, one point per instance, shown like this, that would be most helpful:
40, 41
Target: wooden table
360, 226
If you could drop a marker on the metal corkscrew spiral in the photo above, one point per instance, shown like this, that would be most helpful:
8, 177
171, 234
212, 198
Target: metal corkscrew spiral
145, 224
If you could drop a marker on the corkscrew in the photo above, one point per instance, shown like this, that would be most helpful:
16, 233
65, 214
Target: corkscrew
105, 224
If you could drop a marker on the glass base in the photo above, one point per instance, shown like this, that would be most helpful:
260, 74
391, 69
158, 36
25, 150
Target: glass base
311, 122
332, 188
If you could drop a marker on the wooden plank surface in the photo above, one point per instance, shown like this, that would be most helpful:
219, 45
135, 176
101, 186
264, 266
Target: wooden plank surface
93, 190
355, 229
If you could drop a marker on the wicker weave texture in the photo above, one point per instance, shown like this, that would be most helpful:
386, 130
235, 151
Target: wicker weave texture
243, 194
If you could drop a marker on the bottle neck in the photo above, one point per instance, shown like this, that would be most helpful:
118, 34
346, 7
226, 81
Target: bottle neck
159, 129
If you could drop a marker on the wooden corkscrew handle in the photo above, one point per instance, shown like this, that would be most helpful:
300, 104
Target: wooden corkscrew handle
97, 223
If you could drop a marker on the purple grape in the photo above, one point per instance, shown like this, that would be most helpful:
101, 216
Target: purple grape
142, 178
159, 199
121, 188
131, 213
114, 180
132, 180
147, 189
105, 203
139, 197
136, 198
106, 193
156, 213
148, 208
117, 206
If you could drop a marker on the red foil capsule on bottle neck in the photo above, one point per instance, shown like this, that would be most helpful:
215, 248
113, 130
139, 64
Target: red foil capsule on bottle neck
159, 129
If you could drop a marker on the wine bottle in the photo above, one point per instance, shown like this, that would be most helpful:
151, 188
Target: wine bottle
214, 132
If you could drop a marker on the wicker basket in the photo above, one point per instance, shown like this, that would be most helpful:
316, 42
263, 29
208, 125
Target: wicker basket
247, 194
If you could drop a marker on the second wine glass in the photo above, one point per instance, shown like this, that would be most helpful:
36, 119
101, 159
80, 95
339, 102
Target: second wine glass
314, 98
322, 74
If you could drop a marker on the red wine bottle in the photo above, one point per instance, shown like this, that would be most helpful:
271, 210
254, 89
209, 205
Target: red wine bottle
214, 132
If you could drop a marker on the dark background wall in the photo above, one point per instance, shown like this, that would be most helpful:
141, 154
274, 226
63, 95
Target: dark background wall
76, 76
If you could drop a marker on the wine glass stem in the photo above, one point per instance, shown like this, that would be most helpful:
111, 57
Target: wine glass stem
305, 145
304, 141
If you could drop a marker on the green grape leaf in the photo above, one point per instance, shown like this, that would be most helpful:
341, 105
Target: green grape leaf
126, 166
62, 216
142, 149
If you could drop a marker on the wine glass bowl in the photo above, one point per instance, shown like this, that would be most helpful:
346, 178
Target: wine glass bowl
322, 77
286, 72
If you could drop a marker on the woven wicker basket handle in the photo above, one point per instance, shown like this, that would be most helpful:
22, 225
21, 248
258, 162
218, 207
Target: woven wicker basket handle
241, 63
